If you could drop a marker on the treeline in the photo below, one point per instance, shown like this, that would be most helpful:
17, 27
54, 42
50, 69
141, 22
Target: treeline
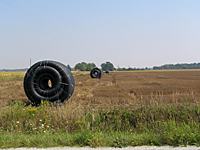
24, 69
83, 66
132, 69
178, 66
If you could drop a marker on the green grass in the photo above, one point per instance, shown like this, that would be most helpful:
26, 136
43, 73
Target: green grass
9, 75
49, 126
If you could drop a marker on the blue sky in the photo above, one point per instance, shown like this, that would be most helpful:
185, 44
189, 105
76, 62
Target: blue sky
135, 33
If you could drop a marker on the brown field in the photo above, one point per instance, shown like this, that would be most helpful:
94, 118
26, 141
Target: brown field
133, 88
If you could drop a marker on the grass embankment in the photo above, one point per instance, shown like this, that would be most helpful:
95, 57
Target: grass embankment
47, 125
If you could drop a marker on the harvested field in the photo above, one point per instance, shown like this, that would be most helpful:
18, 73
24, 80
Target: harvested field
134, 88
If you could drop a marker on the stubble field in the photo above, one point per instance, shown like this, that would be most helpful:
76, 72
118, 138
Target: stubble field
134, 88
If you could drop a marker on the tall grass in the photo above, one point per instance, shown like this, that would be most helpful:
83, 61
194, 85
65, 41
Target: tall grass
50, 125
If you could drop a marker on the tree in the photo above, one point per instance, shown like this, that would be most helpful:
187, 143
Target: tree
68, 66
83, 66
107, 66
90, 66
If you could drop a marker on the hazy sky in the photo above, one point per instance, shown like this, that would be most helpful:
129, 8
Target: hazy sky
135, 33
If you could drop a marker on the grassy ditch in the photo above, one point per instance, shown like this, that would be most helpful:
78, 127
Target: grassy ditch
68, 125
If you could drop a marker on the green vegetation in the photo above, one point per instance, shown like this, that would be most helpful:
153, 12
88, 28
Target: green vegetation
164, 67
179, 66
69, 67
132, 69
12, 75
107, 66
83, 66
50, 125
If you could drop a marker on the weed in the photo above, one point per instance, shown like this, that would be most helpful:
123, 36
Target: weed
118, 142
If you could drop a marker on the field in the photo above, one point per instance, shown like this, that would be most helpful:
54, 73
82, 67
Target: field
122, 108
138, 88
133, 89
